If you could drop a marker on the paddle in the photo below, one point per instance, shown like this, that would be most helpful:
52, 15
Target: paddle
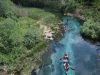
72, 68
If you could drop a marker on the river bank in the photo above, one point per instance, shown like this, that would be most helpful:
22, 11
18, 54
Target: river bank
76, 48
22, 40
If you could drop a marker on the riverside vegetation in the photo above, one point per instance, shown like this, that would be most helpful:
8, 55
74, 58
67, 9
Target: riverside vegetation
21, 41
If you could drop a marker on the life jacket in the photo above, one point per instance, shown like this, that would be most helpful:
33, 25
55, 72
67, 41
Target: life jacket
65, 57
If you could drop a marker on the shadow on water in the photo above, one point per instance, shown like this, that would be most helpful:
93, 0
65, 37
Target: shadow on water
33, 72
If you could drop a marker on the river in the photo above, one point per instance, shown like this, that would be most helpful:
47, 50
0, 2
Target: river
82, 54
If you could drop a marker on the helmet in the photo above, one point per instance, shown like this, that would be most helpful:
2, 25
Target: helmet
65, 54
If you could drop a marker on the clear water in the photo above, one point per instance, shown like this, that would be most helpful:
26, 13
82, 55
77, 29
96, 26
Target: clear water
82, 54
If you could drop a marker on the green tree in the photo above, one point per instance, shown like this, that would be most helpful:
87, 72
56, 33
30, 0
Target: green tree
6, 8
62, 5
91, 29
19, 41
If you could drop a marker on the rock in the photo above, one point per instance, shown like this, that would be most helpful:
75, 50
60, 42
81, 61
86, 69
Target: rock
98, 9
77, 16
33, 72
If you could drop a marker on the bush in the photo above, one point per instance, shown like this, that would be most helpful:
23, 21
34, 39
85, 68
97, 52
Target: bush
71, 5
8, 49
91, 29
6, 8
59, 5
17, 38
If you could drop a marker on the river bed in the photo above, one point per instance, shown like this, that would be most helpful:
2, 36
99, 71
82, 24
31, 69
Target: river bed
82, 54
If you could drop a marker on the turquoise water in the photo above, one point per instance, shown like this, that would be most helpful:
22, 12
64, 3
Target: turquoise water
82, 54
69, 38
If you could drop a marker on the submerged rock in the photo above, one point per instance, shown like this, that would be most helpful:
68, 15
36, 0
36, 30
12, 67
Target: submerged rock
33, 72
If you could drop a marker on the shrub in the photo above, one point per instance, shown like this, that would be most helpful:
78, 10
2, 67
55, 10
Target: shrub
91, 29
17, 38
6, 8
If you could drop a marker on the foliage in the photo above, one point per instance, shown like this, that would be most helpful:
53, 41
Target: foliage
17, 38
91, 29
71, 5
60, 5
21, 37
47, 18
6, 8
96, 4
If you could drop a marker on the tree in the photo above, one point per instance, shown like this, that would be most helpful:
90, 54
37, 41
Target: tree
6, 9
19, 41
65, 5
91, 29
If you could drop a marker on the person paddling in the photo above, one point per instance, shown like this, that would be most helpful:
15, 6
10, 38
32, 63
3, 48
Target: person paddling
65, 58
65, 28
66, 63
